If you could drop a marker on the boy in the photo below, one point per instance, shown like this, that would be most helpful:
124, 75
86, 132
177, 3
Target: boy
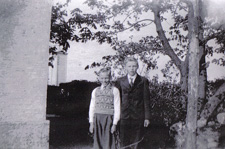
135, 105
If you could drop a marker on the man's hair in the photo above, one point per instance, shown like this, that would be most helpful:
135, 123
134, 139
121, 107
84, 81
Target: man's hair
106, 70
130, 59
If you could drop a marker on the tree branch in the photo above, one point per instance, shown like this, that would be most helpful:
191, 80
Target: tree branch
212, 36
167, 48
211, 105
128, 15
134, 25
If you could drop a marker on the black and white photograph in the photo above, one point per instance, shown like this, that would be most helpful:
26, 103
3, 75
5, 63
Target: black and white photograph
112, 74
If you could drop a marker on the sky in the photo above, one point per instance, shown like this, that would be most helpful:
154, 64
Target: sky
80, 55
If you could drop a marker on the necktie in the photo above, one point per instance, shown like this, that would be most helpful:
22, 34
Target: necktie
131, 82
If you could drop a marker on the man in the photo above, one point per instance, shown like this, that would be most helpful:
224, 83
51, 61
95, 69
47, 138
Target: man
135, 105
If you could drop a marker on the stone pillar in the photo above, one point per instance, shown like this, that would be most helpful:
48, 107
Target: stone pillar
24, 41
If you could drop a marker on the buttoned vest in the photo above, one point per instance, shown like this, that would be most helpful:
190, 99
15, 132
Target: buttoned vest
104, 101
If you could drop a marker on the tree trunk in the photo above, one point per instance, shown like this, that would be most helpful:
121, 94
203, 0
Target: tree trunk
202, 66
193, 77
184, 75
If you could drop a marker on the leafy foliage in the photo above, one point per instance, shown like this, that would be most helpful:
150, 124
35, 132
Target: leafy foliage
168, 103
132, 12
60, 33
74, 26
121, 15
217, 35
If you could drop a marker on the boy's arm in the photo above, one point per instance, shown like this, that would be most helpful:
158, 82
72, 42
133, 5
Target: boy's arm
118, 86
116, 116
92, 107
146, 99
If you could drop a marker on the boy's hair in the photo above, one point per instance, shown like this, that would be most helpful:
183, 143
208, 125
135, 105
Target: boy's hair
130, 59
106, 69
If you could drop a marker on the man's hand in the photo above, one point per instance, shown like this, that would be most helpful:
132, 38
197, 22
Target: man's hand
146, 123
113, 129
91, 128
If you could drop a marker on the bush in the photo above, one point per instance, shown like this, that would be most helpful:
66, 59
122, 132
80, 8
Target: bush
168, 103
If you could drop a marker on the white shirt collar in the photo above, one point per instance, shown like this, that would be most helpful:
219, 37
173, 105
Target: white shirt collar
133, 77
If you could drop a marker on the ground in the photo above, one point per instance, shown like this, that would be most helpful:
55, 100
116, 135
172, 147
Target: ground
72, 133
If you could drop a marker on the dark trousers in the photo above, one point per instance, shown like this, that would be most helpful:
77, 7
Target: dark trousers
103, 138
131, 133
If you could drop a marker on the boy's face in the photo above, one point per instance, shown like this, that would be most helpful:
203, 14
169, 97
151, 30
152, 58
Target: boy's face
104, 78
131, 68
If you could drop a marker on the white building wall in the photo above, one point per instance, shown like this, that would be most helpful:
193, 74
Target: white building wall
58, 73
24, 42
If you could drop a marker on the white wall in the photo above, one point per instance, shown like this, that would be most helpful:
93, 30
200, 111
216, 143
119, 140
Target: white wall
24, 38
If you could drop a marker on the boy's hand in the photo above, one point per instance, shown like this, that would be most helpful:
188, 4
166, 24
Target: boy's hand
146, 123
113, 129
91, 128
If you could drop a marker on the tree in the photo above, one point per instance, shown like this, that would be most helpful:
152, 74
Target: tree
193, 75
196, 25
191, 49
150, 45
104, 26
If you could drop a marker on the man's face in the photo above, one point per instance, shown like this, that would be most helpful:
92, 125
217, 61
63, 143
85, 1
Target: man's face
131, 68
104, 78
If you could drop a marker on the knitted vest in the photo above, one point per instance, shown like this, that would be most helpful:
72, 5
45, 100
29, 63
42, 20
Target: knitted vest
104, 101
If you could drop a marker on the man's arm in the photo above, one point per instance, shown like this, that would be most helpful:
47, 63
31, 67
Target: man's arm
146, 99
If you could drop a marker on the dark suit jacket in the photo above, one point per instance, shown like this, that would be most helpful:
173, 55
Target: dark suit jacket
135, 101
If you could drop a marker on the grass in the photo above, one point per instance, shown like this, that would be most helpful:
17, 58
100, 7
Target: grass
72, 133
78, 146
